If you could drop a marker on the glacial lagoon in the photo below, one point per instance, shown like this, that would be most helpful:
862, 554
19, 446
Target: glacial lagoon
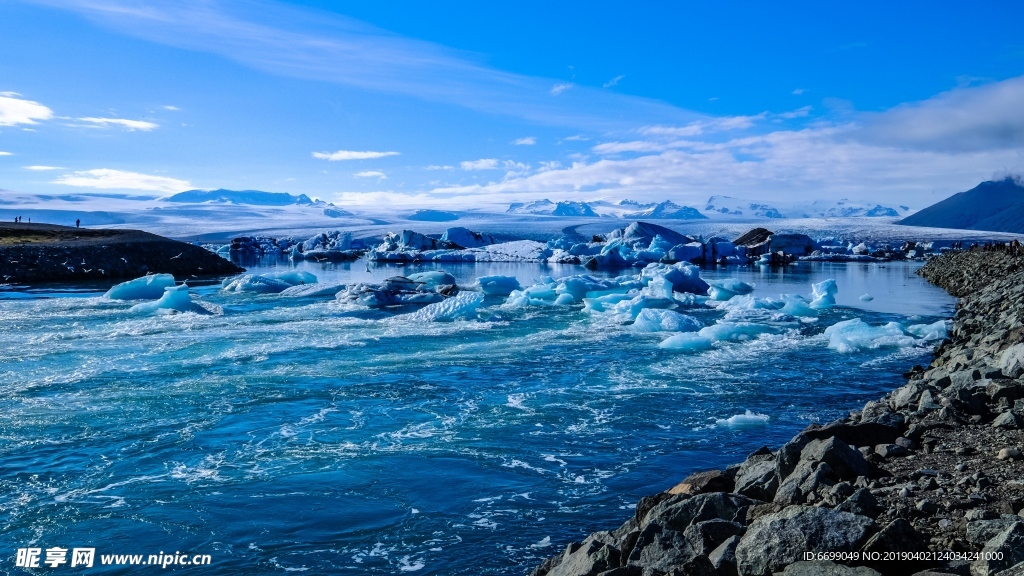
297, 434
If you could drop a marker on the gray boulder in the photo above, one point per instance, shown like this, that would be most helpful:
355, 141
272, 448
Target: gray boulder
1009, 543
825, 568
775, 541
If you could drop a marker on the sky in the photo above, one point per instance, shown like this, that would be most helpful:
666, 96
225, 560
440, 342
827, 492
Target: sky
461, 104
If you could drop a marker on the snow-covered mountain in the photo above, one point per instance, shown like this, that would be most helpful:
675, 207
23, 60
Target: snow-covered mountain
546, 207
668, 210
250, 197
843, 208
730, 206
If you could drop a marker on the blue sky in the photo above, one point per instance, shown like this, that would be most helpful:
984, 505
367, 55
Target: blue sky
448, 104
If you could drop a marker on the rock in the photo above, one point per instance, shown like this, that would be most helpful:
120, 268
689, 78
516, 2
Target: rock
861, 502
757, 479
891, 450
1016, 570
774, 541
906, 395
707, 481
825, 568
927, 402
723, 558
1011, 361
981, 531
1007, 453
1008, 421
1006, 550
844, 461
862, 434
678, 512
588, 560
927, 507
897, 536
999, 389
706, 536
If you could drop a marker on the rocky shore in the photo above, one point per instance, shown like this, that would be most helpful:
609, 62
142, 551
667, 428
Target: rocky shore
928, 480
33, 253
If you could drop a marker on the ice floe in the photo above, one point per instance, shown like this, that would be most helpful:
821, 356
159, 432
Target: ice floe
174, 299
145, 288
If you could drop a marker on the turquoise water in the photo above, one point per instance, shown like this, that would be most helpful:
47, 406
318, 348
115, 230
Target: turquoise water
293, 435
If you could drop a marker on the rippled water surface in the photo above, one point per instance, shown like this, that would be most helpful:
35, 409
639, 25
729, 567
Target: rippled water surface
291, 434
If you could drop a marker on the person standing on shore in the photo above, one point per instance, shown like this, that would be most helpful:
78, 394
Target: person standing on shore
78, 223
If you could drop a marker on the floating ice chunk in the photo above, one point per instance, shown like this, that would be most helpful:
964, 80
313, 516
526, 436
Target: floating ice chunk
461, 306
725, 289
433, 279
866, 297
749, 302
735, 331
634, 305
797, 306
254, 283
146, 288
175, 299
497, 285
582, 286
655, 320
564, 300
935, 331
312, 290
604, 303
292, 277
467, 238
687, 342
393, 291
852, 335
824, 294
683, 276
745, 420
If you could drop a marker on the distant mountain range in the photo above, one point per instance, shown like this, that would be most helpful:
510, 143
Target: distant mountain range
251, 197
717, 207
994, 206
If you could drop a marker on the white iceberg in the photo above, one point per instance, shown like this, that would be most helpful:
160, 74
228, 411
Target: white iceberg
655, 320
146, 288
687, 342
312, 290
459, 307
853, 335
935, 331
433, 279
497, 285
824, 294
254, 283
727, 288
745, 420
175, 299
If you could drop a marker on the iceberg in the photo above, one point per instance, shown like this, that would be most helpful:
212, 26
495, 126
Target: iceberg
312, 290
797, 306
727, 288
175, 299
824, 294
684, 277
497, 285
735, 331
462, 306
935, 331
466, 238
292, 277
394, 291
657, 320
687, 342
146, 288
254, 283
747, 419
852, 335
866, 297
433, 279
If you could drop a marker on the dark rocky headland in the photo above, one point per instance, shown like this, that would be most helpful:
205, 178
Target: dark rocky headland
928, 480
34, 253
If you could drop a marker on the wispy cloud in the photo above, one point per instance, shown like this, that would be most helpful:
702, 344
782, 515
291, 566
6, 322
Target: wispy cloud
798, 113
14, 110
557, 89
351, 155
43, 168
171, 108
130, 125
525, 141
279, 38
2, 153
439, 167
371, 174
614, 81
107, 178
482, 164
798, 91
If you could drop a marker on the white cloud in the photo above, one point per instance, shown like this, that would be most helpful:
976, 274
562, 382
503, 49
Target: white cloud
798, 91
614, 81
437, 167
2, 153
107, 178
482, 164
131, 125
559, 88
43, 168
575, 138
351, 155
171, 108
798, 113
525, 141
14, 111
371, 174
